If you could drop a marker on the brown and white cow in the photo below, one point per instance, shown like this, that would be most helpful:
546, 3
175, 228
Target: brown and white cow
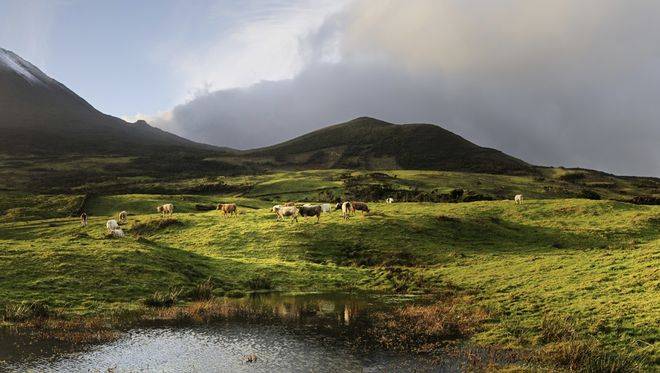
166, 209
283, 211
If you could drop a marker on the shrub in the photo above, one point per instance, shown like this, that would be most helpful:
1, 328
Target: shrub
572, 177
203, 290
646, 200
235, 294
456, 194
259, 282
589, 194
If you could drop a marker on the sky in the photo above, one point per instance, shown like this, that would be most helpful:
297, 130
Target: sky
563, 82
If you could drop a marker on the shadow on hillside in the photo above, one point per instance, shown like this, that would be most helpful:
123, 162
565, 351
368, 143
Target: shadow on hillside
26, 230
376, 240
192, 266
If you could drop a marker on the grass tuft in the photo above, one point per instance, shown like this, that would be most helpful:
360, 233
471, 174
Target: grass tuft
203, 290
162, 299
25, 311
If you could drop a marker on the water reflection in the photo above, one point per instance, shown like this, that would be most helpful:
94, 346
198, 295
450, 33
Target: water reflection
305, 340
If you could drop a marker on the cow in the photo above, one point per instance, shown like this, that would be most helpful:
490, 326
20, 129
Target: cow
122, 216
228, 208
283, 211
166, 209
326, 207
111, 225
518, 199
345, 209
359, 206
311, 211
118, 233
289, 204
389, 200
83, 219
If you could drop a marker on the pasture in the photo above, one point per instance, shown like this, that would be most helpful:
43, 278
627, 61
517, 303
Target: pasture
594, 263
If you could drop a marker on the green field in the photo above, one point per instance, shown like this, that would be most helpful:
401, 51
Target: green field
593, 262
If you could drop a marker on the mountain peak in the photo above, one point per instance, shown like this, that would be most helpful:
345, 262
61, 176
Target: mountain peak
41, 115
371, 143
367, 121
10, 61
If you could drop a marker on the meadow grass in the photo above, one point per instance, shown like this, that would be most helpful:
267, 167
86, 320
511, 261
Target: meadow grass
555, 274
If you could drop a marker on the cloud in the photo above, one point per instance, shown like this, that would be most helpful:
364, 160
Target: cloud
555, 83
236, 46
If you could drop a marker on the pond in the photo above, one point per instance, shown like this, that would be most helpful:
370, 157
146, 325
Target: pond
312, 333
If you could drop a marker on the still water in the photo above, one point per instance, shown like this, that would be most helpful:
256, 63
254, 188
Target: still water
313, 334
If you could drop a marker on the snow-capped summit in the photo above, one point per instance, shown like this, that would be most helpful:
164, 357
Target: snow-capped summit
12, 62
39, 115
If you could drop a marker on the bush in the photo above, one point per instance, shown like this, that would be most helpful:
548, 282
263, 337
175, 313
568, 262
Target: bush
203, 290
572, 177
259, 282
589, 194
26, 311
162, 299
646, 200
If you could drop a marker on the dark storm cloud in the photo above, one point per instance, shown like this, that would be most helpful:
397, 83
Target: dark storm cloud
562, 83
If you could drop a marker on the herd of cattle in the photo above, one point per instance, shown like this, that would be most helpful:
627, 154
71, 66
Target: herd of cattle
290, 209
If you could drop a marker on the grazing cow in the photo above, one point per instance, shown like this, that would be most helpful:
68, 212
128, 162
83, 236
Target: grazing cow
228, 208
345, 209
122, 216
326, 207
166, 209
283, 211
83, 219
118, 233
311, 211
359, 206
518, 198
111, 225
389, 200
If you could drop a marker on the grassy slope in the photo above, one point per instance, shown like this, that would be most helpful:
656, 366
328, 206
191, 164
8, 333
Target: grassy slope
596, 260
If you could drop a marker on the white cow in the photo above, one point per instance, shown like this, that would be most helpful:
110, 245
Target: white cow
326, 207
283, 211
518, 198
389, 200
111, 225
118, 233
166, 209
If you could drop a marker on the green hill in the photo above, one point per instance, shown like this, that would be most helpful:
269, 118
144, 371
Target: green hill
368, 143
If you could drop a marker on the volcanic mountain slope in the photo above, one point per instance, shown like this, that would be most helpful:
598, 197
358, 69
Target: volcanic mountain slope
374, 144
39, 115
